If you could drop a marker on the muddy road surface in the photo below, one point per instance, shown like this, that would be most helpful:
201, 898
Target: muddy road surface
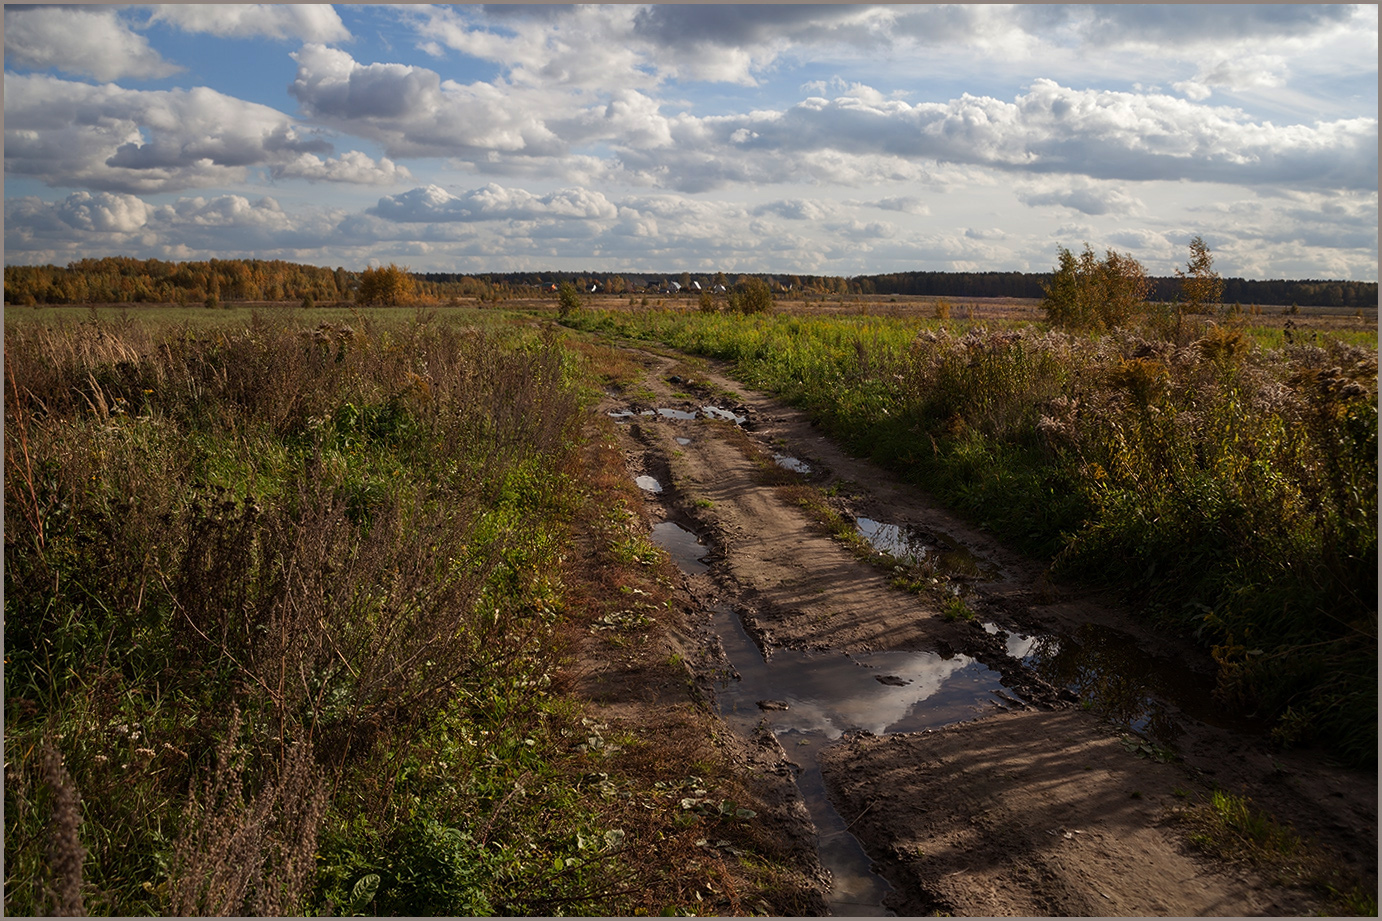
962, 735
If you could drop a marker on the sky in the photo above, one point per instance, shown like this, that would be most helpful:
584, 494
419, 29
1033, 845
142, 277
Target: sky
807, 139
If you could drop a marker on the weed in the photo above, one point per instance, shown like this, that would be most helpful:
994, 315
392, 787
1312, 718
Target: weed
1230, 827
954, 608
343, 537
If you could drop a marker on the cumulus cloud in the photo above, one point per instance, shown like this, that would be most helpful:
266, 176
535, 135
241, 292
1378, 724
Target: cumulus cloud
574, 47
84, 40
412, 110
1085, 197
353, 167
907, 204
1235, 73
84, 224
119, 140
799, 209
1056, 129
493, 202
308, 22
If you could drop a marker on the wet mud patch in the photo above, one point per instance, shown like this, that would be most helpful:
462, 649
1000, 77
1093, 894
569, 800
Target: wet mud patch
807, 699
1111, 672
914, 546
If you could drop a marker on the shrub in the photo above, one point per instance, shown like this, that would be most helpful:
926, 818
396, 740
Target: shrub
1086, 293
752, 295
568, 300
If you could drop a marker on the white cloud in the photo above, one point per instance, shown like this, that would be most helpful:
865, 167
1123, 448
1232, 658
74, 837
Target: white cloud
113, 139
412, 110
1085, 197
103, 212
86, 40
491, 203
904, 203
353, 167
309, 22
799, 209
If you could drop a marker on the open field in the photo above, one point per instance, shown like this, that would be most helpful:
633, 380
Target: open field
343, 609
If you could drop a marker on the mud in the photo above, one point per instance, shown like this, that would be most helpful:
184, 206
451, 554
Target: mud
977, 766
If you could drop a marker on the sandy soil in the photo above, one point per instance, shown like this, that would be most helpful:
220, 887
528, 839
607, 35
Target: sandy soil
1038, 812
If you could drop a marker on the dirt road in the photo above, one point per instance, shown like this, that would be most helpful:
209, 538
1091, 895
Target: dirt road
1025, 803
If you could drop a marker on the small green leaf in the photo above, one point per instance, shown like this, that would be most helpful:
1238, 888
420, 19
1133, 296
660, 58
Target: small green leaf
364, 889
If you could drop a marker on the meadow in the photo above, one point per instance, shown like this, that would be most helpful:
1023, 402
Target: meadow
287, 602
1227, 482
289, 592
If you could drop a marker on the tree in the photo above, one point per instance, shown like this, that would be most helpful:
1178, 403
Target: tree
568, 299
1088, 293
751, 295
1200, 286
390, 286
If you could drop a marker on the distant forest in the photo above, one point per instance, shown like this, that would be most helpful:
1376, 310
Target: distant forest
127, 280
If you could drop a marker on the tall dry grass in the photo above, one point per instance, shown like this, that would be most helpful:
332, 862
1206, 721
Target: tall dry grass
334, 533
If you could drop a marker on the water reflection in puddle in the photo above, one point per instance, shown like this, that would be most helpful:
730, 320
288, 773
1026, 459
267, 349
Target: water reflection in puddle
810, 699
715, 412
1134, 689
911, 545
792, 464
648, 484
683, 441
827, 694
682, 414
684, 547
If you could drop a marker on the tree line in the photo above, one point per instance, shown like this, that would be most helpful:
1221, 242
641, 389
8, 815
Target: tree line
122, 279
1304, 293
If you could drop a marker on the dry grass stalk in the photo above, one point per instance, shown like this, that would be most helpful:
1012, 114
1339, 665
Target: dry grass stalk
65, 851
258, 857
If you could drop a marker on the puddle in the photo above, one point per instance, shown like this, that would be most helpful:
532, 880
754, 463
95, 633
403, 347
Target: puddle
648, 484
683, 441
1134, 689
684, 547
827, 694
677, 414
792, 464
911, 545
715, 412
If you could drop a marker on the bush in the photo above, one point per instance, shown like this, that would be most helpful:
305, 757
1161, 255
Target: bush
568, 300
752, 295
1086, 293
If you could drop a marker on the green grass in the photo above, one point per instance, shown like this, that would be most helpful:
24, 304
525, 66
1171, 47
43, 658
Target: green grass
1230, 827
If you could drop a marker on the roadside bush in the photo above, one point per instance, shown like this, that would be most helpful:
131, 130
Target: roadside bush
1087, 293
